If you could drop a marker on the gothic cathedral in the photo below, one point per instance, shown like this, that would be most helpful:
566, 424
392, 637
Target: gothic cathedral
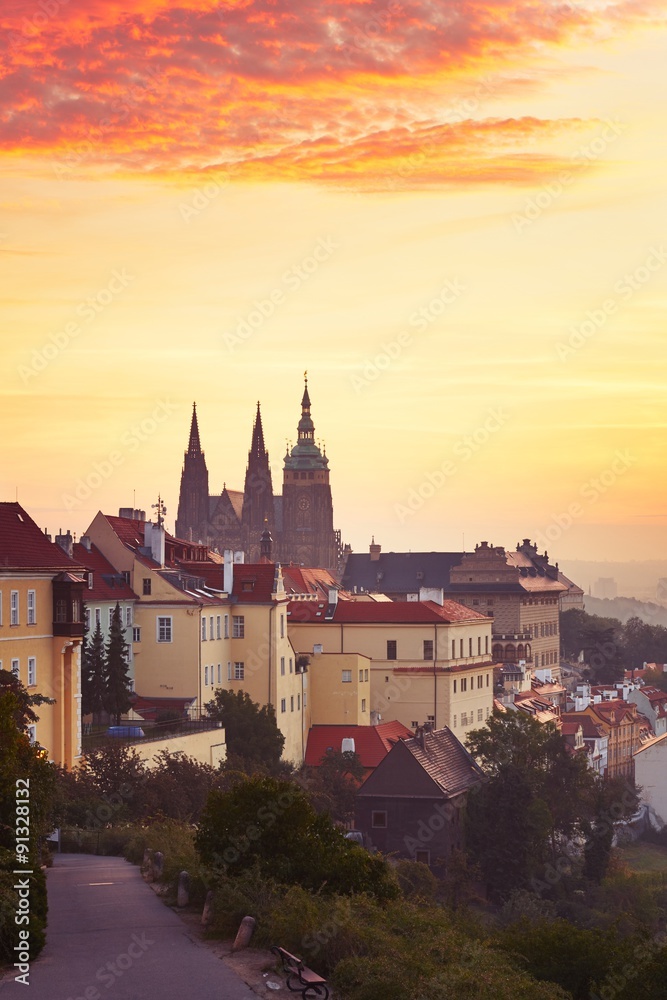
296, 527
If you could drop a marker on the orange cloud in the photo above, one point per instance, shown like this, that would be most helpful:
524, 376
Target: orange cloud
330, 91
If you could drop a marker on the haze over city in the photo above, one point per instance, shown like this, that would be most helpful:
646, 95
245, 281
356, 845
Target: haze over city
452, 218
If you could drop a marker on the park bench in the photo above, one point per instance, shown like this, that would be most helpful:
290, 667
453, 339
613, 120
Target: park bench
301, 979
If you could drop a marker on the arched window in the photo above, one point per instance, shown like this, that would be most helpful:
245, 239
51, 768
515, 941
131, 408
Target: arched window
510, 653
521, 651
497, 653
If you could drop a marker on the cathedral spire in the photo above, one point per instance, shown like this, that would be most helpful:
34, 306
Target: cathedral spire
257, 447
194, 444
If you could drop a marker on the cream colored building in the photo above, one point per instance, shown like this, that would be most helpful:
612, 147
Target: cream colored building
203, 622
341, 689
430, 661
41, 629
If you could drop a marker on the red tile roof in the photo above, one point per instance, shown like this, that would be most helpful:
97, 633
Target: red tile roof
654, 694
308, 580
253, 582
23, 545
108, 584
592, 730
385, 612
371, 743
446, 761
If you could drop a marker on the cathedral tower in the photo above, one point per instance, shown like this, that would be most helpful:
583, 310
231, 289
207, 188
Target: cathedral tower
192, 517
308, 534
258, 513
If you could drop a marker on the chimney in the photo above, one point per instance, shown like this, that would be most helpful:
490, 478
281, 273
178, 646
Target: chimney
85, 541
375, 551
154, 536
333, 595
228, 571
435, 594
66, 542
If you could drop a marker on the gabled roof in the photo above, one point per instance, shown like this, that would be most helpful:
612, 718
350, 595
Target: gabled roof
432, 765
654, 694
108, 584
24, 546
383, 612
371, 743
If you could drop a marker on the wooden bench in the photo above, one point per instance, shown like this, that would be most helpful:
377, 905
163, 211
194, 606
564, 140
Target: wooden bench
301, 979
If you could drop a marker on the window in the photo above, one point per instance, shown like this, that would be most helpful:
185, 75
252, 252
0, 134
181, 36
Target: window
347, 676
111, 611
464, 718
32, 613
486, 644
480, 680
210, 628
291, 703
414, 725
164, 631
480, 714
206, 675
136, 633
98, 617
391, 649
379, 820
366, 674
229, 670
428, 649
90, 581
282, 626
128, 617
86, 617
282, 666
464, 684
203, 630
361, 675
14, 608
453, 649
32, 670
226, 626
239, 670
126, 576
479, 645
147, 585
454, 726
291, 665
238, 626
430, 718
454, 687
470, 646
283, 705
16, 668
487, 679
218, 629
219, 673
461, 647
363, 704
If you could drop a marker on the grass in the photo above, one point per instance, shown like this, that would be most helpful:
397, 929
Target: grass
644, 858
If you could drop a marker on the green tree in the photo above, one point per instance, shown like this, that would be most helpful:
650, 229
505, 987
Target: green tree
93, 674
251, 732
117, 681
332, 786
270, 825
27, 782
537, 792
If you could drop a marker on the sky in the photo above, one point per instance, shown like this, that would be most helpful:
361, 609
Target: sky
451, 214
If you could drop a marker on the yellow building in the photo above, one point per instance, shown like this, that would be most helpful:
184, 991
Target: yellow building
430, 662
341, 689
202, 621
41, 629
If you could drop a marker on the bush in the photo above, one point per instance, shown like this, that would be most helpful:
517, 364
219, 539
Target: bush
176, 842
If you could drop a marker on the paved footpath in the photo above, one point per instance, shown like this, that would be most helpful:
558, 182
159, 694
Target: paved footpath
110, 936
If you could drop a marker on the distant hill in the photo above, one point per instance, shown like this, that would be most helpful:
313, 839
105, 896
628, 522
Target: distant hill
626, 607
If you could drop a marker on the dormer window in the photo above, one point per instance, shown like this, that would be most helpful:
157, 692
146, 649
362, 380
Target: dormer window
90, 581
